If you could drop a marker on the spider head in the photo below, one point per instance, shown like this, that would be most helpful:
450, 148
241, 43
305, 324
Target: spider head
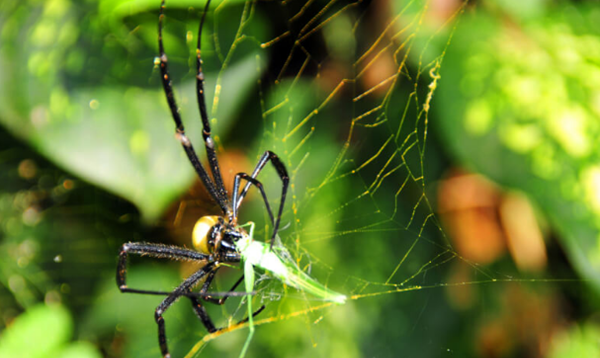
213, 236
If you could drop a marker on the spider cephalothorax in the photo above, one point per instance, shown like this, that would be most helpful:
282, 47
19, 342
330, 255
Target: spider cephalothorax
214, 236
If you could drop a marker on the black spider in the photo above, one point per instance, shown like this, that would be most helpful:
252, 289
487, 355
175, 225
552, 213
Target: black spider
214, 236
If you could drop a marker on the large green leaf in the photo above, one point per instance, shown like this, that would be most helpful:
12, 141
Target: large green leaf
80, 86
43, 331
30, 336
521, 105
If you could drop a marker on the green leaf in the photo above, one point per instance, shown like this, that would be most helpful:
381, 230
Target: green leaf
520, 105
77, 90
123, 8
39, 332
80, 349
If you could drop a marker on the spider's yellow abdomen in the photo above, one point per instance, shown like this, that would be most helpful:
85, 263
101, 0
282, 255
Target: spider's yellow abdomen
201, 232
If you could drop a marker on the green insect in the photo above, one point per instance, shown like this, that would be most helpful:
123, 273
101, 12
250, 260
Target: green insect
278, 263
258, 254
219, 240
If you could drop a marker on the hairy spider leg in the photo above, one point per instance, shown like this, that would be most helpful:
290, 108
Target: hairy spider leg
199, 308
179, 254
152, 250
220, 301
206, 132
216, 189
201, 311
183, 288
174, 253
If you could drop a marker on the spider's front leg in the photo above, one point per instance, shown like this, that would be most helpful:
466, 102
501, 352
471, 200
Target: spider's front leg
151, 250
283, 175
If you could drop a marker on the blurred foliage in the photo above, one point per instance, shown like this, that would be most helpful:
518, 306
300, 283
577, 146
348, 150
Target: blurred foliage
578, 342
76, 92
527, 113
43, 331
80, 88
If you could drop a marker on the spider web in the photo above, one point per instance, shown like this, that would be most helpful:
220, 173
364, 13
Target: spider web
344, 97
343, 91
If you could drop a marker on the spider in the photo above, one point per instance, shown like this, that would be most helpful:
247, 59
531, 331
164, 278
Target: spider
217, 239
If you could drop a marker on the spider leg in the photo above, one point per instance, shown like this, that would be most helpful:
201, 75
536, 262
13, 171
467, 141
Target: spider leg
283, 175
206, 132
216, 189
203, 315
201, 311
151, 250
253, 314
206, 296
180, 291
199, 308
256, 183
162, 251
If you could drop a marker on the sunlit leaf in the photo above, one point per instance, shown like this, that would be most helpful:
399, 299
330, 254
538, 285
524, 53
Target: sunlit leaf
39, 332
80, 350
71, 90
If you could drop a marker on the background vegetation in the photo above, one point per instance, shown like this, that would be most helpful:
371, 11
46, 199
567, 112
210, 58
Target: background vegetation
502, 263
